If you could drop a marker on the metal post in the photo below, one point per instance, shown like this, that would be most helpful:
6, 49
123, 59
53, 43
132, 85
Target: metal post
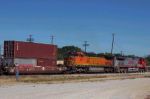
17, 71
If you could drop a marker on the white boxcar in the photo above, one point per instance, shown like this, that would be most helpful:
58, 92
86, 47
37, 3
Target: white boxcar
60, 62
20, 61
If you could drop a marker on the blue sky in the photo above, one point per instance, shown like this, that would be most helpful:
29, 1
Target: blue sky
74, 21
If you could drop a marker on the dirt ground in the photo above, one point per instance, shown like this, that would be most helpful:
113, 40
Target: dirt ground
137, 88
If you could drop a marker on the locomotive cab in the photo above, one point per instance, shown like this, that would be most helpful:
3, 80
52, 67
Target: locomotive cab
71, 56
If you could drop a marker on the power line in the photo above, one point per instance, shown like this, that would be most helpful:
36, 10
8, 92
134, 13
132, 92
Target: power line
85, 45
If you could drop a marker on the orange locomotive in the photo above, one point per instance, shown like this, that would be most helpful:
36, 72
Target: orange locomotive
78, 62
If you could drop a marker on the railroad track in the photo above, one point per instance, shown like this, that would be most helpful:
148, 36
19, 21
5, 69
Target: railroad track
75, 75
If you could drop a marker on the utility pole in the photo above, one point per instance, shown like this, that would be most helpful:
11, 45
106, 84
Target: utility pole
112, 47
121, 53
30, 39
85, 45
0, 51
52, 39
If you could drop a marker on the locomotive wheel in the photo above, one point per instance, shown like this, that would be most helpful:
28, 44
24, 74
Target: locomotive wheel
112, 70
106, 70
1, 73
125, 70
122, 70
141, 70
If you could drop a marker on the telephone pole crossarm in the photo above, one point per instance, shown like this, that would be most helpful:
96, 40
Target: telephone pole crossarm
85, 46
52, 39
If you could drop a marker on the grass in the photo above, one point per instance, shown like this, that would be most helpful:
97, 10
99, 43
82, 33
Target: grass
55, 79
45, 79
49, 79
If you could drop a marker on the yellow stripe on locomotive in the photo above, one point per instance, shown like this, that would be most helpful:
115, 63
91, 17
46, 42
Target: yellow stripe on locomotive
87, 61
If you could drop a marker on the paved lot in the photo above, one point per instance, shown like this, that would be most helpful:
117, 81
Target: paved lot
113, 89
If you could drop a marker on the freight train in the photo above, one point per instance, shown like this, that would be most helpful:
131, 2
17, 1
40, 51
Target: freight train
78, 62
37, 58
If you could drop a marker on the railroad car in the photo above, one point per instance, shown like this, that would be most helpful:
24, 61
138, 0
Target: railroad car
31, 58
78, 62
132, 64
37, 58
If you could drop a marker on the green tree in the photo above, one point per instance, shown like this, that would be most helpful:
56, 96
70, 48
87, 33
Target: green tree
63, 52
147, 58
91, 54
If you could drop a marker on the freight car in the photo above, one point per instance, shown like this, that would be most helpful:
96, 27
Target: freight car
32, 58
78, 62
